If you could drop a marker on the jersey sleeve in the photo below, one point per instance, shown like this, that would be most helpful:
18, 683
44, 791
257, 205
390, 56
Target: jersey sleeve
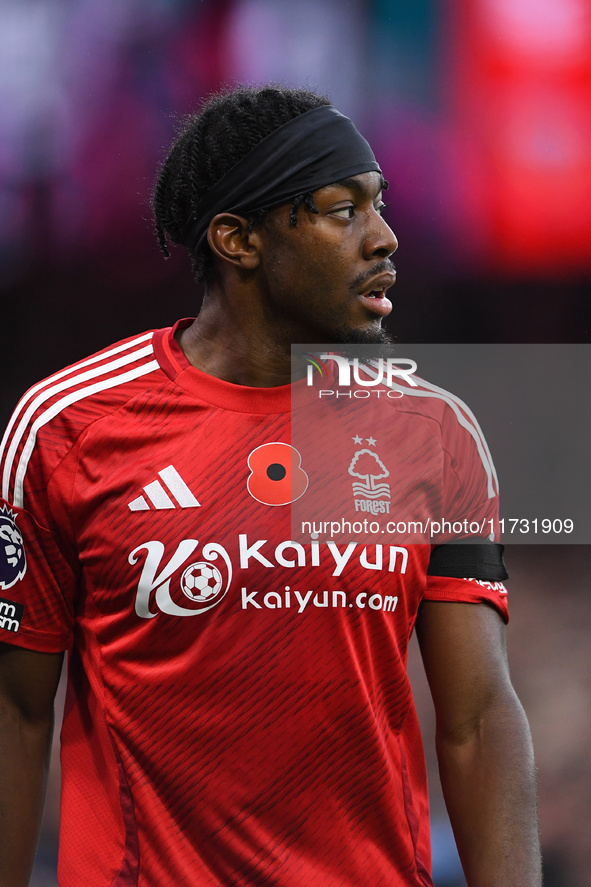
36, 584
39, 564
468, 591
470, 487
37, 578
466, 562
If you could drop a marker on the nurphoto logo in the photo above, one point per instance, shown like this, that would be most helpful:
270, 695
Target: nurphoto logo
314, 363
386, 370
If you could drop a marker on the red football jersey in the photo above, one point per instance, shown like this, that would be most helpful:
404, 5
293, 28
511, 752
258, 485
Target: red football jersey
238, 708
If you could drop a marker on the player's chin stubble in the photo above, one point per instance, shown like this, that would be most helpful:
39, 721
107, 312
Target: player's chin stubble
375, 336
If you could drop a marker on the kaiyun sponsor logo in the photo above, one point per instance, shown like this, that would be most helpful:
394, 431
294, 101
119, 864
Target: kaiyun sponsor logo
203, 585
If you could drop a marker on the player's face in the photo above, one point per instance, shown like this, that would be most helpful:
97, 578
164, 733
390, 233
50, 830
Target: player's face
327, 277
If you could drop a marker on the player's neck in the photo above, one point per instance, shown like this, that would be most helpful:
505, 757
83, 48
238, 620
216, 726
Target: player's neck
236, 347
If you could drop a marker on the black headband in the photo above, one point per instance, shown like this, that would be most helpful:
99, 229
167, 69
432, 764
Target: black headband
308, 152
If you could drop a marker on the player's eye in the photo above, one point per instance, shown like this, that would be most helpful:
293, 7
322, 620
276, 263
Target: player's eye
344, 212
381, 207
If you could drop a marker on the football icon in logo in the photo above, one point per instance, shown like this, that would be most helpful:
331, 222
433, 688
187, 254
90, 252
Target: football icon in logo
201, 582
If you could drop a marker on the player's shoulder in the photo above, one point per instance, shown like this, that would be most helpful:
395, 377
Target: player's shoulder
409, 393
56, 410
392, 386
100, 380
422, 403
457, 427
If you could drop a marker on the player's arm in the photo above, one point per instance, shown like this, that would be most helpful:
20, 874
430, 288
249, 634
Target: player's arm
483, 744
28, 682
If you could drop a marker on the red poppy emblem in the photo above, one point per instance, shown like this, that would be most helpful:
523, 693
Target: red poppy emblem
276, 476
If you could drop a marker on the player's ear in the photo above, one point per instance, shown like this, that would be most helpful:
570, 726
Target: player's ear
230, 239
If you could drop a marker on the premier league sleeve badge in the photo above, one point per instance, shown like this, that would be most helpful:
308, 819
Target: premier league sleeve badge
13, 563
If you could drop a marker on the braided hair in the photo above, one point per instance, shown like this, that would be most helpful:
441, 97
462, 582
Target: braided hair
229, 125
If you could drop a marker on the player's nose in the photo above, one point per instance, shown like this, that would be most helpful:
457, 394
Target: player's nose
380, 241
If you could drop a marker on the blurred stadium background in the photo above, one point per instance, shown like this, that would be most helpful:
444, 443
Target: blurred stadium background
480, 114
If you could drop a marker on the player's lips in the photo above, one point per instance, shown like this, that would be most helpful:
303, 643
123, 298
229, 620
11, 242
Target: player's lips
373, 294
379, 284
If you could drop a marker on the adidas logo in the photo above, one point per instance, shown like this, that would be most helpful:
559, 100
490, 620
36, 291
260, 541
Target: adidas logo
160, 498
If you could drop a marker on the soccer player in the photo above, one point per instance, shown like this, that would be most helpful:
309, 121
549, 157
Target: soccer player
238, 710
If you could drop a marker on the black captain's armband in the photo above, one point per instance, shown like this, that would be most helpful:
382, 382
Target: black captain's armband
478, 560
